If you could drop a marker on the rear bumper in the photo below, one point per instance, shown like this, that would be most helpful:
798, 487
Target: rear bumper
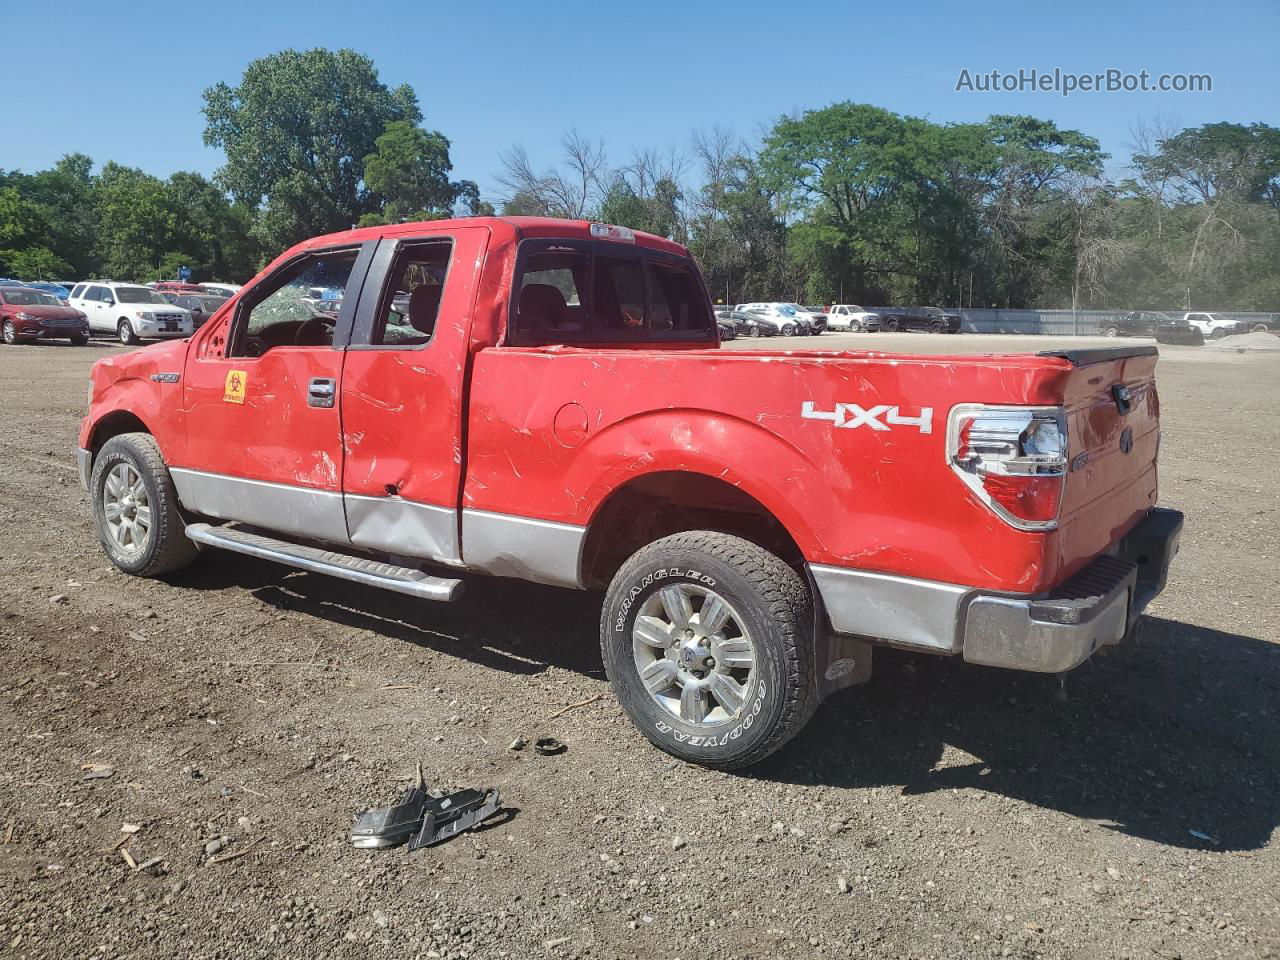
1045, 634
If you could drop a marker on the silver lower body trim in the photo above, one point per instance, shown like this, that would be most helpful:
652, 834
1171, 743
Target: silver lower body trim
510, 546
403, 527
298, 511
84, 463
902, 610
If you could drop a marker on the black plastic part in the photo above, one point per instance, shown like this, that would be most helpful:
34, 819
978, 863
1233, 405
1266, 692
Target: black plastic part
446, 817
390, 826
839, 660
422, 820
549, 746
1082, 358
1141, 564
1152, 545
1080, 598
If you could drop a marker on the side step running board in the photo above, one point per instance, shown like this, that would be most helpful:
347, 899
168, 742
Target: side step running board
313, 559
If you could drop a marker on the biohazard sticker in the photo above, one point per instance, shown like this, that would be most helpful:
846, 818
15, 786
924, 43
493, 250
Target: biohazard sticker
237, 381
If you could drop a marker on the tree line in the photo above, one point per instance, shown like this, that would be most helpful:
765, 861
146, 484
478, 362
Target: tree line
849, 202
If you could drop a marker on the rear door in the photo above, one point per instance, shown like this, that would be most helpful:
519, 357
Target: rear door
264, 436
403, 391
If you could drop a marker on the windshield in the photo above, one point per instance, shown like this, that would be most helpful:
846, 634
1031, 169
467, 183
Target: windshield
139, 295
209, 304
29, 298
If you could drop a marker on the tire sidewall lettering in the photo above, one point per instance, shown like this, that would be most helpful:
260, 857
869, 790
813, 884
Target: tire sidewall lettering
624, 608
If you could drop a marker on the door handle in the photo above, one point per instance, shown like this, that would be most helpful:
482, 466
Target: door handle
321, 392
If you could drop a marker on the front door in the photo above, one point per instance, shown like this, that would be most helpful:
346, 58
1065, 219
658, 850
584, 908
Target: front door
403, 389
261, 389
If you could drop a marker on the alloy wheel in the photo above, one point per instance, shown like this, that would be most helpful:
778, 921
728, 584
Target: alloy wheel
694, 655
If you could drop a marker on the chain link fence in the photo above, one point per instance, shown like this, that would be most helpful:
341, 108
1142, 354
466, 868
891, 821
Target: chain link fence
1072, 322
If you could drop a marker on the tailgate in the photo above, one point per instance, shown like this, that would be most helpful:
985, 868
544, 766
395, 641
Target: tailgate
1113, 430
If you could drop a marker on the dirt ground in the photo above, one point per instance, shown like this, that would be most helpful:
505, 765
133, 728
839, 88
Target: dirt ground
940, 811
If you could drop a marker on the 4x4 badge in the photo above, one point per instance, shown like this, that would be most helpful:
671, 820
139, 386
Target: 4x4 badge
847, 416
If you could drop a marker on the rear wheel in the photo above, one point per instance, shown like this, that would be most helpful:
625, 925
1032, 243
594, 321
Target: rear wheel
707, 641
1111, 330
1259, 328
125, 332
135, 508
1218, 334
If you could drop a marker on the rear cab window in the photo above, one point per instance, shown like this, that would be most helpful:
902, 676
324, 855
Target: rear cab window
581, 291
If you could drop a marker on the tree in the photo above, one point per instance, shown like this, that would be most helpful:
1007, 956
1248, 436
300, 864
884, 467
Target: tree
296, 130
408, 174
571, 193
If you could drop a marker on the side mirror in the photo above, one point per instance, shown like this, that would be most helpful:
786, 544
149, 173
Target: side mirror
110, 301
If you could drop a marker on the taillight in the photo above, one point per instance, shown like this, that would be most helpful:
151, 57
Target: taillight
1013, 458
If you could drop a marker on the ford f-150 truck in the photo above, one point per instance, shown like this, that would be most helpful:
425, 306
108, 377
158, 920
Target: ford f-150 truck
547, 399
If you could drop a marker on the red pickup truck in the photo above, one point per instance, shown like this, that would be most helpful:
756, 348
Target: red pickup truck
410, 405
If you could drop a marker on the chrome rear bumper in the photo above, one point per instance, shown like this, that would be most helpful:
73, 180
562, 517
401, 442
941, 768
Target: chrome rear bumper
1048, 633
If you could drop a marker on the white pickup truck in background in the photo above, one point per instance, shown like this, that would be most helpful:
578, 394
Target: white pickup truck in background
1213, 327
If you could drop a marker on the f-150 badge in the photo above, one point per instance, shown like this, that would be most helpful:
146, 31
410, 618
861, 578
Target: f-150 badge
882, 416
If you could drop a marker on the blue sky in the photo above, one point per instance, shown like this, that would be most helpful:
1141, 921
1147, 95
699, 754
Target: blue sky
123, 81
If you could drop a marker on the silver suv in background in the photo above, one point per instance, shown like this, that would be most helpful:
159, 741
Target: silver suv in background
130, 312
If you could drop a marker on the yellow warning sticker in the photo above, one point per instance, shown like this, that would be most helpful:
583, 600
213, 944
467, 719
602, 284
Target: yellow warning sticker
237, 381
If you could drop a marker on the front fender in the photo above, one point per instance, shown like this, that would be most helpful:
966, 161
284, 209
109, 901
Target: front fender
142, 387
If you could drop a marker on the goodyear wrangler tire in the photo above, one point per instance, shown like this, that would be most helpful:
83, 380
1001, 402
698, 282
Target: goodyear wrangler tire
135, 508
707, 640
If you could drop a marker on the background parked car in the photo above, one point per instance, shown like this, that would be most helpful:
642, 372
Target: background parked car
130, 311
820, 318
783, 323
176, 286
201, 306
728, 329
850, 316
1135, 323
221, 289
1178, 330
929, 319
27, 314
56, 289
746, 324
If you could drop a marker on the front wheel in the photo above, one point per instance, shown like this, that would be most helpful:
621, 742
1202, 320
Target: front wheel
1218, 334
788, 330
79, 339
1111, 331
10, 333
935, 327
126, 334
707, 641
1259, 328
135, 508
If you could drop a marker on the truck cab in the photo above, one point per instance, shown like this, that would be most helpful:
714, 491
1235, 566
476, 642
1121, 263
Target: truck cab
408, 407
